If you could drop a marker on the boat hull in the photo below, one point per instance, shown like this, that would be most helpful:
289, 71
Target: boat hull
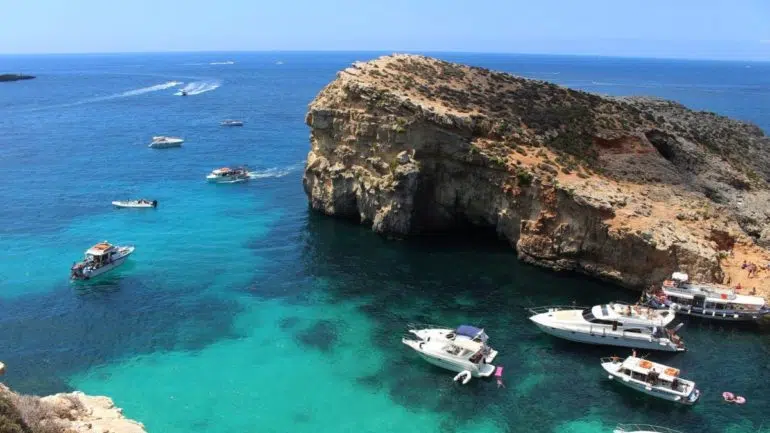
218, 179
164, 145
609, 338
709, 314
456, 365
687, 400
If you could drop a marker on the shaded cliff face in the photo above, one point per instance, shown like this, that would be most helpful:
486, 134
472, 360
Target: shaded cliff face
627, 189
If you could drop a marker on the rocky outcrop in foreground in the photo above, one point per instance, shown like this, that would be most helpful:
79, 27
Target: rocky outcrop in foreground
15, 77
626, 189
62, 413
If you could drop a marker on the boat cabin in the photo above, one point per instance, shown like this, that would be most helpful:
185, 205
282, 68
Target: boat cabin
617, 314
100, 254
653, 374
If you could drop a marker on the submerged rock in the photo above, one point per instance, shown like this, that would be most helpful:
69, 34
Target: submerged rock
626, 189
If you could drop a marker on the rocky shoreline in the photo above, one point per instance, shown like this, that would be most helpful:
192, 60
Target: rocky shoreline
624, 189
62, 413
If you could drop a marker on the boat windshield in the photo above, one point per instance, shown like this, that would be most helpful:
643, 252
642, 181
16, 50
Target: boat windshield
588, 315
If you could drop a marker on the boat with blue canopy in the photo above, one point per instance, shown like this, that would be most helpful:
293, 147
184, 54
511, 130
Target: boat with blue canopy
460, 349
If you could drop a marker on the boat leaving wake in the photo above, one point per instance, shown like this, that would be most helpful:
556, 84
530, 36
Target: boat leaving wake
198, 87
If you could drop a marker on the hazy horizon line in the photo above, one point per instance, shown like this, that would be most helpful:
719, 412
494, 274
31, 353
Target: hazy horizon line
383, 52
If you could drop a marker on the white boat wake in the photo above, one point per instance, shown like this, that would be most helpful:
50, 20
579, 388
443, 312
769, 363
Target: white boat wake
229, 62
198, 87
125, 94
273, 172
154, 88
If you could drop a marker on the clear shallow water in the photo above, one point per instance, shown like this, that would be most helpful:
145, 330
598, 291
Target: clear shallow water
242, 311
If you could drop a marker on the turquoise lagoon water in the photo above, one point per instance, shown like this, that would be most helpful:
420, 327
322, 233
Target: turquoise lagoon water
242, 311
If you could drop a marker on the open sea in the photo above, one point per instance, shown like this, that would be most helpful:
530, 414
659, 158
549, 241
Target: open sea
243, 311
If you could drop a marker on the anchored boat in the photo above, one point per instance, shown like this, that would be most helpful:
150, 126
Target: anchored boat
100, 258
230, 122
462, 350
651, 378
710, 301
614, 324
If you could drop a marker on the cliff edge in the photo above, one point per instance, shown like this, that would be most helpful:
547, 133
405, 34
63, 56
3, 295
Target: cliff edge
625, 189
62, 413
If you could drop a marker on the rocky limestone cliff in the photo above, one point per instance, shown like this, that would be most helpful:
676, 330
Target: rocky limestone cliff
62, 413
626, 189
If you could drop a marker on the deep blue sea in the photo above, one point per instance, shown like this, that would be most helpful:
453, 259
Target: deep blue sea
242, 311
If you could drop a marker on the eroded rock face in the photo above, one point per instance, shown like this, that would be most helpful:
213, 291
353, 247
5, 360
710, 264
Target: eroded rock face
70, 413
624, 189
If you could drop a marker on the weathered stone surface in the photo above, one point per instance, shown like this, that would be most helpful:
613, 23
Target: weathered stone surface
626, 189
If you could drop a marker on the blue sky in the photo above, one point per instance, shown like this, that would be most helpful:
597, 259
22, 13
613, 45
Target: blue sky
710, 29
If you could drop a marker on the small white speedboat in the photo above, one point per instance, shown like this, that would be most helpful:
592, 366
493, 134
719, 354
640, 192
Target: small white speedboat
100, 258
651, 378
164, 142
139, 204
228, 175
463, 350
231, 123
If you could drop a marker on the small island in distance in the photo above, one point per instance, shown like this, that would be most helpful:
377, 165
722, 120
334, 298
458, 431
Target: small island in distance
15, 77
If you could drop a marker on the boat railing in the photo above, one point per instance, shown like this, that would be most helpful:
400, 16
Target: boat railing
703, 289
629, 428
613, 359
550, 308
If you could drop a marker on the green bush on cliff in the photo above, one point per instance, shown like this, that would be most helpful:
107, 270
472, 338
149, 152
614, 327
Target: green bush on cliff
524, 177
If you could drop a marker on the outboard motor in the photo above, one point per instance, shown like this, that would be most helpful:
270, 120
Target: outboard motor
155, 203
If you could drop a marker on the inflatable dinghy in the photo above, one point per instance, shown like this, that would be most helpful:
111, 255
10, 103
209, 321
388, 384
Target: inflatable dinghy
463, 377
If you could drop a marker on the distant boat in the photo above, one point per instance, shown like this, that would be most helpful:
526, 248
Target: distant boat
141, 203
183, 93
232, 123
164, 142
229, 175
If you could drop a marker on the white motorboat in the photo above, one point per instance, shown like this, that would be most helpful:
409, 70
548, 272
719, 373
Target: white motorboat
651, 378
612, 324
139, 204
164, 142
229, 175
642, 428
231, 123
461, 349
710, 301
100, 258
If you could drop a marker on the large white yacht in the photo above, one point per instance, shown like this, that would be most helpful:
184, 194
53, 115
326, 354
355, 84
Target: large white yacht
100, 258
613, 324
651, 378
710, 301
461, 349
